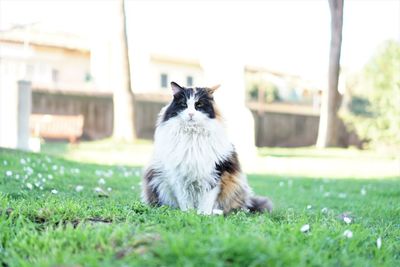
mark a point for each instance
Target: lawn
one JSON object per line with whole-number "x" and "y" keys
{"x": 58, "y": 212}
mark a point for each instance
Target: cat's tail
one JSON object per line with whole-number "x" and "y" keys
{"x": 259, "y": 204}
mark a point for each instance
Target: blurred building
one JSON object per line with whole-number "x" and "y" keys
{"x": 164, "y": 69}
{"x": 48, "y": 59}
{"x": 65, "y": 61}
{"x": 71, "y": 75}
{"x": 275, "y": 86}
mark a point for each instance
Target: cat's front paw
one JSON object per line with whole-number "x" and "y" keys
{"x": 217, "y": 212}
{"x": 210, "y": 212}
{"x": 204, "y": 212}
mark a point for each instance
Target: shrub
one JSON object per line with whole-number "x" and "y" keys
{"x": 373, "y": 110}
{"x": 271, "y": 93}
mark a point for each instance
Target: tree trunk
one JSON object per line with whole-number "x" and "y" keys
{"x": 124, "y": 126}
{"x": 328, "y": 132}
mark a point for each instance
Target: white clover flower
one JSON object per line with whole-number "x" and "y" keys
{"x": 379, "y": 243}
{"x": 39, "y": 175}
{"x": 8, "y": 173}
{"x": 363, "y": 191}
{"x": 50, "y": 176}
{"x": 78, "y": 188}
{"x": 305, "y": 228}
{"x": 29, "y": 170}
{"x": 29, "y": 185}
{"x": 101, "y": 181}
{"x": 23, "y": 161}
{"x": 133, "y": 187}
{"x": 98, "y": 190}
{"x": 281, "y": 183}
{"x": 17, "y": 176}
{"x": 348, "y": 234}
{"x": 41, "y": 188}
{"x": 54, "y": 191}
{"x": 54, "y": 167}
{"x": 324, "y": 210}
{"x": 109, "y": 189}
{"x": 309, "y": 207}
{"x": 347, "y": 219}
{"x": 342, "y": 195}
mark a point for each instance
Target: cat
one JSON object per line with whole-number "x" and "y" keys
{"x": 194, "y": 165}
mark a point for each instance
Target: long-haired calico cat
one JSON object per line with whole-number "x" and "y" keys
{"x": 194, "y": 166}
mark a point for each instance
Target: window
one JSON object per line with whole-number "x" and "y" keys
{"x": 88, "y": 77}
{"x": 189, "y": 81}
{"x": 29, "y": 72}
{"x": 164, "y": 80}
{"x": 54, "y": 75}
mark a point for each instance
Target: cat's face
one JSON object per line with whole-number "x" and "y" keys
{"x": 191, "y": 105}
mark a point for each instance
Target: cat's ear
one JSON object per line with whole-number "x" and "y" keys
{"x": 176, "y": 88}
{"x": 212, "y": 89}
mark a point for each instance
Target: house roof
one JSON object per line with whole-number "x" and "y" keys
{"x": 258, "y": 69}
{"x": 196, "y": 63}
{"x": 287, "y": 76}
{"x": 175, "y": 60}
{"x": 35, "y": 35}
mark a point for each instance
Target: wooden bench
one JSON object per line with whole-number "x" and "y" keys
{"x": 56, "y": 126}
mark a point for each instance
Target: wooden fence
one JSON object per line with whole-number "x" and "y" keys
{"x": 275, "y": 124}
{"x": 96, "y": 108}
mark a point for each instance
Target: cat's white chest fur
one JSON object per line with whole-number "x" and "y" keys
{"x": 186, "y": 155}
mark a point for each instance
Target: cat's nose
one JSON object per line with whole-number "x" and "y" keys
{"x": 191, "y": 115}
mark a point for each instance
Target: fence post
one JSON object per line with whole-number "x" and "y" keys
{"x": 23, "y": 113}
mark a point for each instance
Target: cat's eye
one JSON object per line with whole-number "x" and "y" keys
{"x": 183, "y": 104}
{"x": 199, "y": 104}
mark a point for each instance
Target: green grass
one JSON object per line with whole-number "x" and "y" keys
{"x": 330, "y": 153}
{"x": 304, "y": 162}
{"x": 70, "y": 228}
{"x": 106, "y": 151}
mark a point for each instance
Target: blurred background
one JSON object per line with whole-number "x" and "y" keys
{"x": 86, "y": 79}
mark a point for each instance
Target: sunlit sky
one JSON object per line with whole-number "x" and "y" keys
{"x": 289, "y": 36}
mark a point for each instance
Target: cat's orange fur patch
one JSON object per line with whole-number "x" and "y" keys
{"x": 232, "y": 195}
{"x": 218, "y": 115}
{"x": 150, "y": 195}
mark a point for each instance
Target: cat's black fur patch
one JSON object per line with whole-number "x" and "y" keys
{"x": 260, "y": 204}
{"x": 179, "y": 103}
{"x": 203, "y": 97}
{"x": 230, "y": 165}
{"x": 151, "y": 192}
